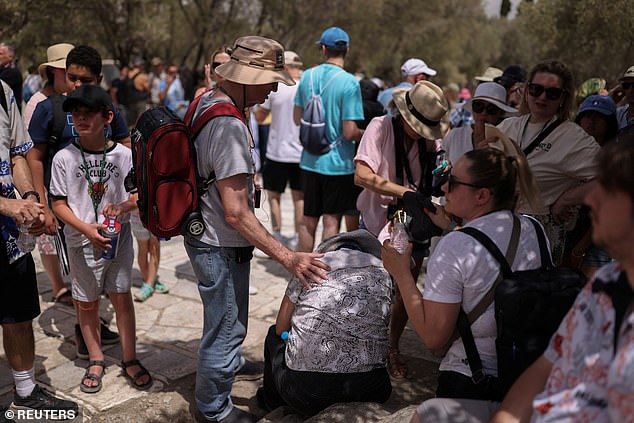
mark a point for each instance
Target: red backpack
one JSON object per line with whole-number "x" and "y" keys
{"x": 165, "y": 168}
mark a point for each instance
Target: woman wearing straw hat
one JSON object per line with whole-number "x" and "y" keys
{"x": 394, "y": 155}
{"x": 488, "y": 105}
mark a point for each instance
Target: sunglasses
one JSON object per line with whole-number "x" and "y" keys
{"x": 452, "y": 182}
{"x": 552, "y": 93}
{"x": 627, "y": 85}
{"x": 482, "y": 106}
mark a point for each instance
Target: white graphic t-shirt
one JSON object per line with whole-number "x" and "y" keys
{"x": 68, "y": 180}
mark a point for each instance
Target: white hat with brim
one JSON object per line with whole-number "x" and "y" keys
{"x": 422, "y": 106}
{"x": 491, "y": 92}
{"x": 489, "y": 74}
{"x": 255, "y": 61}
{"x": 56, "y": 57}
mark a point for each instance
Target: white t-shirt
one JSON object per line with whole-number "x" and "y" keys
{"x": 460, "y": 270}
{"x": 68, "y": 180}
{"x": 457, "y": 142}
{"x": 283, "y": 143}
{"x": 564, "y": 159}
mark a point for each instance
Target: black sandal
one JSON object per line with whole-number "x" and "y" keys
{"x": 92, "y": 376}
{"x": 134, "y": 379}
{"x": 64, "y": 297}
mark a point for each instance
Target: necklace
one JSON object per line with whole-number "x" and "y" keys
{"x": 95, "y": 194}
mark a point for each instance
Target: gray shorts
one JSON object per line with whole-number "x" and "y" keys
{"x": 438, "y": 410}
{"x": 139, "y": 231}
{"x": 90, "y": 278}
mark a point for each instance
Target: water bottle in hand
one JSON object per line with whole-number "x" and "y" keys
{"x": 26, "y": 241}
{"x": 399, "y": 238}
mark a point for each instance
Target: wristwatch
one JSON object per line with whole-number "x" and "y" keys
{"x": 29, "y": 193}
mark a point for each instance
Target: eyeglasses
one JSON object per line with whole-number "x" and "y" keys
{"x": 452, "y": 182}
{"x": 627, "y": 85}
{"x": 482, "y": 106}
{"x": 552, "y": 93}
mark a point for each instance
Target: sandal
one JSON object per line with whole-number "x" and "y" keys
{"x": 64, "y": 297}
{"x": 93, "y": 376}
{"x": 134, "y": 379}
{"x": 159, "y": 287}
{"x": 396, "y": 367}
{"x": 144, "y": 293}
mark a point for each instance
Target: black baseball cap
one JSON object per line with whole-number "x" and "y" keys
{"x": 90, "y": 96}
{"x": 511, "y": 75}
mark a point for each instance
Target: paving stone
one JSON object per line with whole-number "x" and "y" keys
{"x": 170, "y": 364}
{"x": 183, "y": 314}
{"x": 171, "y": 334}
{"x": 185, "y": 289}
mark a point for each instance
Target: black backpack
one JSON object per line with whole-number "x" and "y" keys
{"x": 529, "y": 307}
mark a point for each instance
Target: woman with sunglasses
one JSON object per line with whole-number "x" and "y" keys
{"x": 560, "y": 154}
{"x": 488, "y": 105}
{"x": 482, "y": 191}
{"x": 218, "y": 57}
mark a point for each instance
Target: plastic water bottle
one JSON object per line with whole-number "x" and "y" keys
{"x": 26, "y": 241}
{"x": 399, "y": 238}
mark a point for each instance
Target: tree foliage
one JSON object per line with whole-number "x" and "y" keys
{"x": 452, "y": 36}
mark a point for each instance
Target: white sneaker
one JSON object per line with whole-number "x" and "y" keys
{"x": 252, "y": 290}
{"x": 293, "y": 242}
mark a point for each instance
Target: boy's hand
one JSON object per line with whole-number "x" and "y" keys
{"x": 113, "y": 210}
{"x": 100, "y": 243}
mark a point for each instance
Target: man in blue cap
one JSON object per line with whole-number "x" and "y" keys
{"x": 328, "y": 179}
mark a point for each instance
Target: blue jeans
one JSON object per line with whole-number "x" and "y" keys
{"x": 223, "y": 284}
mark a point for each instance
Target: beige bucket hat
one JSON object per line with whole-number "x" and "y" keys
{"x": 255, "y": 61}
{"x": 56, "y": 57}
{"x": 489, "y": 74}
{"x": 422, "y": 106}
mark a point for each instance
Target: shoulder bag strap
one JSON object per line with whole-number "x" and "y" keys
{"x": 327, "y": 83}
{"x": 547, "y": 261}
{"x": 541, "y": 136}
{"x": 464, "y": 321}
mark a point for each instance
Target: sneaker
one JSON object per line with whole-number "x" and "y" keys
{"x": 159, "y": 287}
{"x": 6, "y": 415}
{"x": 249, "y": 368}
{"x": 80, "y": 346}
{"x": 252, "y": 290}
{"x": 235, "y": 416}
{"x": 293, "y": 242}
{"x": 108, "y": 337}
{"x": 41, "y": 399}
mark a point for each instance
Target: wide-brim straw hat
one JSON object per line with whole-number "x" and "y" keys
{"x": 489, "y": 74}
{"x": 491, "y": 92}
{"x": 56, "y": 57}
{"x": 422, "y": 106}
{"x": 255, "y": 61}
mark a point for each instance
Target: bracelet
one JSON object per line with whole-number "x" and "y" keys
{"x": 29, "y": 193}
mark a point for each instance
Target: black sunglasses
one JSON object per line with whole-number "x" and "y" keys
{"x": 552, "y": 93}
{"x": 214, "y": 65}
{"x": 627, "y": 85}
{"x": 482, "y": 106}
{"x": 452, "y": 182}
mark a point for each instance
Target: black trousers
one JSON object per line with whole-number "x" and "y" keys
{"x": 308, "y": 393}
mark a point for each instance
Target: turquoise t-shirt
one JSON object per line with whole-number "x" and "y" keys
{"x": 341, "y": 101}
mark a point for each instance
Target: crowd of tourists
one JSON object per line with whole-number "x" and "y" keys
{"x": 538, "y": 165}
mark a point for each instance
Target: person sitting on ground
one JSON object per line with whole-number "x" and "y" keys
{"x": 488, "y": 105}
{"x": 394, "y": 156}
{"x": 587, "y": 372}
{"x": 83, "y": 196}
{"x": 481, "y": 190}
{"x": 337, "y": 345}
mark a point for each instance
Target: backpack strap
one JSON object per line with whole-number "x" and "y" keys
{"x": 3, "y": 99}
{"x": 622, "y": 298}
{"x": 55, "y": 130}
{"x": 541, "y": 136}
{"x": 196, "y": 125}
{"x": 327, "y": 83}
{"x": 464, "y": 320}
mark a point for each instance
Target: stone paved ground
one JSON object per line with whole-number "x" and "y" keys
{"x": 168, "y": 332}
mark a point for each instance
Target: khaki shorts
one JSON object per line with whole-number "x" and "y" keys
{"x": 90, "y": 278}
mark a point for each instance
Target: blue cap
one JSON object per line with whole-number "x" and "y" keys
{"x": 598, "y": 103}
{"x": 335, "y": 38}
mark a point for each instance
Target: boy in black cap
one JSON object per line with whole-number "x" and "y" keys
{"x": 87, "y": 187}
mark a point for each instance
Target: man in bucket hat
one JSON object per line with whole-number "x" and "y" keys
{"x": 328, "y": 179}
{"x": 221, "y": 255}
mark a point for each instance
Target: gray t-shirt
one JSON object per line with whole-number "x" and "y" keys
{"x": 224, "y": 146}
{"x": 341, "y": 325}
